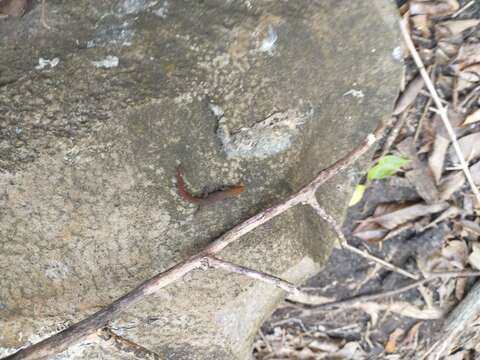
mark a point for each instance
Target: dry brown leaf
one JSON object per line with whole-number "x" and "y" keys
{"x": 469, "y": 145}
{"x": 444, "y": 52}
{"x": 474, "y": 257}
{"x": 450, "y": 213}
{"x": 393, "y": 340}
{"x": 409, "y": 310}
{"x": 460, "y": 355}
{"x": 475, "y": 170}
{"x": 454, "y": 27}
{"x": 470, "y": 226}
{"x": 351, "y": 351}
{"x": 372, "y": 232}
{"x": 392, "y": 220}
{"x": 473, "y": 117}
{"x": 451, "y": 185}
{"x": 422, "y": 23}
{"x": 470, "y": 74}
{"x": 468, "y": 54}
{"x": 373, "y": 235}
{"x": 12, "y": 7}
{"x": 326, "y": 345}
{"x": 436, "y": 160}
{"x": 460, "y": 286}
{"x": 434, "y": 8}
{"x": 422, "y": 179}
{"x": 456, "y": 252}
{"x": 432, "y": 262}
{"x": 456, "y": 119}
{"x": 398, "y": 230}
{"x": 411, "y": 339}
{"x": 407, "y": 97}
{"x": 445, "y": 292}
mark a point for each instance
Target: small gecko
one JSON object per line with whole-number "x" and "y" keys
{"x": 208, "y": 198}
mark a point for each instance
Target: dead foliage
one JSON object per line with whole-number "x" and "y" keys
{"x": 447, "y": 38}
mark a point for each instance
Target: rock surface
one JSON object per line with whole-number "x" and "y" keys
{"x": 96, "y": 114}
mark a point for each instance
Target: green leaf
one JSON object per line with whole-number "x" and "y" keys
{"x": 386, "y": 166}
{"x": 357, "y": 194}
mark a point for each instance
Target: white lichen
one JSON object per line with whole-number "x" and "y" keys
{"x": 42, "y": 63}
{"x": 398, "y": 53}
{"x": 355, "y": 93}
{"x": 266, "y": 138}
{"x": 107, "y": 63}
{"x": 268, "y": 44}
{"x": 162, "y": 11}
{"x": 216, "y": 110}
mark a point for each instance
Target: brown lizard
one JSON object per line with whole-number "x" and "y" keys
{"x": 208, "y": 198}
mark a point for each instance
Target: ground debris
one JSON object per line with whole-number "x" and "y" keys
{"x": 426, "y": 211}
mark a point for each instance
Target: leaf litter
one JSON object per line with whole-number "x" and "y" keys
{"x": 432, "y": 203}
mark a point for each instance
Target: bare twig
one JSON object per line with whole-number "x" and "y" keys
{"x": 394, "y": 132}
{"x": 119, "y": 343}
{"x": 370, "y": 297}
{"x": 441, "y": 110}
{"x": 343, "y": 242}
{"x": 422, "y": 119}
{"x": 81, "y": 330}
{"x": 294, "y": 293}
{"x": 463, "y": 9}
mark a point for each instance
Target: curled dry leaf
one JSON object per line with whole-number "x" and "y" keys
{"x": 451, "y": 184}
{"x": 444, "y": 52}
{"x": 325, "y": 345}
{"x": 12, "y": 7}
{"x": 434, "y": 8}
{"x": 408, "y": 96}
{"x": 432, "y": 262}
{"x": 409, "y": 310}
{"x": 469, "y": 145}
{"x": 436, "y": 160}
{"x": 475, "y": 170}
{"x": 471, "y": 227}
{"x": 474, "y": 257}
{"x": 394, "y": 340}
{"x": 351, "y": 351}
{"x": 460, "y": 285}
{"x": 445, "y": 292}
{"x": 470, "y": 74}
{"x": 422, "y": 23}
{"x": 369, "y": 231}
{"x": 450, "y": 213}
{"x": 473, "y": 117}
{"x": 392, "y": 220}
{"x": 423, "y": 181}
{"x": 456, "y": 252}
{"x": 411, "y": 339}
{"x": 454, "y": 27}
{"x": 468, "y": 54}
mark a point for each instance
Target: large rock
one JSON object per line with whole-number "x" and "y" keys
{"x": 264, "y": 93}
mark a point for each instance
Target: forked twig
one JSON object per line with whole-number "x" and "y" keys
{"x": 83, "y": 329}
{"x": 345, "y": 245}
{"x": 441, "y": 110}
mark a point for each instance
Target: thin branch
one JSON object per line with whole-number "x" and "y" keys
{"x": 81, "y": 330}
{"x": 294, "y": 293}
{"x": 399, "y": 123}
{"x": 441, "y": 110}
{"x": 345, "y": 245}
{"x": 124, "y": 345}
{"x": 365, "y": 298}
